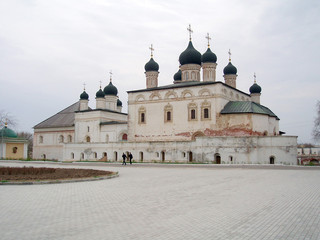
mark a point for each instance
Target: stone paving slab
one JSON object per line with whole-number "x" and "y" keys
{"x": 150, "y": 202}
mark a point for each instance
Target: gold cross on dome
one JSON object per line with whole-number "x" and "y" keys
{"x": 208, "y": 38}
{"x": 100, "y": 83}
{"x": 229, "y": 55}
{"x": 190, "y": 31}
{"x": 84, "y": 86}
{"x": 151, "y": 49}
{"x": 110, "y": 75}
{"x": 254, "y": 75}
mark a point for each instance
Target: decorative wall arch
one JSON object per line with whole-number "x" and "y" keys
{"x": 197, "y": 134}
{"x": 155, "y": 96}
{"x": 140, "y": 98}
{"x": 187, "y": 93}
{"x": 204, "y": 92}
{"x": 171, "y": 94}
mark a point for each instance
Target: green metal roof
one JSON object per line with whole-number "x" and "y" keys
{"x": 247, "y": 107}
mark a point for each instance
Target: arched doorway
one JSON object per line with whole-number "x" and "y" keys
{"x": 190, "y": 156}
{"x": 163, "y": 156}
{"x": 272, "y": 160}
{"x": 141, "y": 156}
{"x": 217, "y": 158}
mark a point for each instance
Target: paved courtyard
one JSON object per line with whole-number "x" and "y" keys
{"x": 166, "y": 202}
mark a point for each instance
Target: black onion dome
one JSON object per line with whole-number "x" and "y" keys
{"x": 151, "y": 66}
{"x": 177, "y": 76}
{"x": 190, "y": 56}
{"x": 230, "y": 69}
{"x": 84, "y": 96}
{"x": 255, "y": 88}
{"x": 209, "y": 56}
{"x": 119, "y": 103}
{"x": 110, "y": 90}
{"x": 100, "y": 94}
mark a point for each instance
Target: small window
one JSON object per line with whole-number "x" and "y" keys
{"x": 88, "y": 139}
{"x": 124, "y": 137}
{"x": 14, "y": 150}
{"x": 41, "y": 139}
{"x": 88, "y": 129}
{"x": 72, "y": 155}
{"x": 142, "y": 115}
{"x": 168, "y": 116}
{"x": 193, "y": 114}
{"x": 206, "y": 113}
{"x": 61, "y": 139}
{"x": 107, "y": 138}
{"x": 69, "y": 138}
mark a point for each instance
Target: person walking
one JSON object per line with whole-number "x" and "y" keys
{"x": 124, "y": 159}
{"x": 130, "y": 158}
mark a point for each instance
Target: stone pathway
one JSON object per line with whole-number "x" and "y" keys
{"x": 166, "y": 202}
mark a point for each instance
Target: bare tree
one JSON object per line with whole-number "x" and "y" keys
{"x": 6, "y": 117}
{"x": 28, "y": 136}
{"x": 316, "y": 128}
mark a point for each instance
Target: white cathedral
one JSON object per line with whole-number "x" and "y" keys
{"x": 193, "y": 120}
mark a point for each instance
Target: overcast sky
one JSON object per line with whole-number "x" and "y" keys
{"x": 48, "y": 49}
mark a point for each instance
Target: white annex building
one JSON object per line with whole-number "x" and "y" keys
{"x": 195, "y": 119}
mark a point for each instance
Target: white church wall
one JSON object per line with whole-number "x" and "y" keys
{"x": 48, "y": 142}
{"x": 232, "y": 150}
{"x": 87, "y": 124}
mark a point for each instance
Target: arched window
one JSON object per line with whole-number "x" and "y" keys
{"x": 187, "y": 75}
{"x": 115, "y": 154}
{"x": 141, "y": 156}
{"x": 124, "y": 137}
{"x": 107, "y": 138}
{"x": 82, "y": 156}
{"x": 40, "y": 139}
{"x": 95, "y": 155}
{"x": 88, "y": 139}
{"x": 61, "y": 139}
{"x": 44, "y": 156}
{"x": 69, "y": 138}
{"x": 72, "y": 155}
